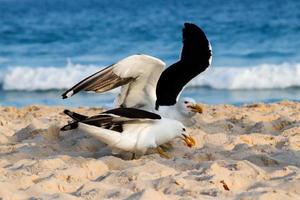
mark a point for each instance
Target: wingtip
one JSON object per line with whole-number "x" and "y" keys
{"x": 69, "y": 127}
{"x": 192, "y": 30}
{"x": 67, "y": 111}
{"x": 67, "y": 94}
{"x": 65, "y": 128}
{"x": 188, "y": 25}
{"x": 194, "y": 36}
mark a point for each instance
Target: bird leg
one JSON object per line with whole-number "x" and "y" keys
{"x": 133, "y": 156}
{"x": 162, "y": 153}
{"x": 166, "y": 146}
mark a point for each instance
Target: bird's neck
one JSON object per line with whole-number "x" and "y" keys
{"x": 175, "y": 112}
{"x": 170, "y": 112}
{"x": 163, "y": 135}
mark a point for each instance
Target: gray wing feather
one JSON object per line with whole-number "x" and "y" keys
{"x": 101, "y": 81}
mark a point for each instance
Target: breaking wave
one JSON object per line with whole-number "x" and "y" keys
{"x": 265, "y": 76}
{"x": 45, "y": 78}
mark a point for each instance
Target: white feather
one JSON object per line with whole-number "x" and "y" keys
{"x": 69, "y": 94}
{"x": 146, "y": 71}
{"x": 137, "y": 137}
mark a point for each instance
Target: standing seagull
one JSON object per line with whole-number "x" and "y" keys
{"x": 145, "y": 83}
{"x": 130, "y": 129}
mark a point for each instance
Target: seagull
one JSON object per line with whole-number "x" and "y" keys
{"x": 147, "y": 85}
{"x": 130, "y": 129}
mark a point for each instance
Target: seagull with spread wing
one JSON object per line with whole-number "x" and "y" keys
{"x": 147, "y": 85}
{"x": 130, "y": 129}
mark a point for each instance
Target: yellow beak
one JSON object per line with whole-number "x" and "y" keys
{"x": 196, "y": 108}
{"x": 190, "y": 142}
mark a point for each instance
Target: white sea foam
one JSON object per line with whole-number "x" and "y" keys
{"x": 45, "y": 78}
{"x": 256, "y": 77}
{"x": 265, "y": 76}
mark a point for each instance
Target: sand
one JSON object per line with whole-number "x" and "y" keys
{"x": 247, "y": 152}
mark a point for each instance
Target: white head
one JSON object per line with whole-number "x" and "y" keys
{"x": 188, "y": 107}
{"x": 170, "y": 129}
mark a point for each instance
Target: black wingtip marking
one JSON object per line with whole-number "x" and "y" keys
{"x": 190, "y": 25}
{"x": 133, "y": 113}
{"x": 196, "y": 47}
{"x": 193, "y": 28}
{"x": 99, "y": 82}
{"x": 75, "y": 116}
{"x": 69, "y": 113}
{"x": 70, "y": 126}
{"x": 68, "y": 93}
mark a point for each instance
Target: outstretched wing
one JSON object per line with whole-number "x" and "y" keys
{"x": 195, "y": 58}
{"x": 112, "y": 119}
{"x": 138, "y": 74}
{"x": 101, "y": 81}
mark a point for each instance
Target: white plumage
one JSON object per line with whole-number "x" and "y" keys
{"x": 140, "y": 91}
{"x": 137, "y": 130}
{"x": 137, "y": 138}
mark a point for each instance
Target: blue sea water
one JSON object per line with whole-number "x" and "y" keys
{"x": 48, "y": 45}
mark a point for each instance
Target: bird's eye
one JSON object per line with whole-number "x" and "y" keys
{"x": 186, "y": 102}
{"x": 183, "y": 129}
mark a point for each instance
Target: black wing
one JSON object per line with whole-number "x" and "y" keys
{"x": 133, "y": 113}
{"x": 104, "y": 121}
{"x": 111, "y": 119}
{"x": 195, "y": 58}
{"x": 75, "y": 116}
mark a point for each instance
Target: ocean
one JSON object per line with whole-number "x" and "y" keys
{"x": 46, "y": 46}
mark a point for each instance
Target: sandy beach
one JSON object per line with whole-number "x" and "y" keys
{"x": 247, "y": 152}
